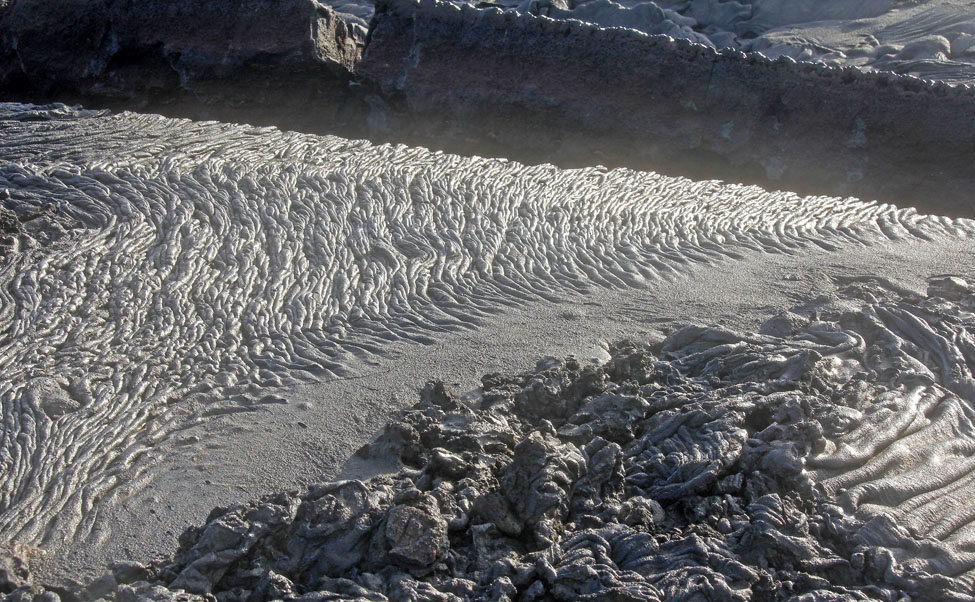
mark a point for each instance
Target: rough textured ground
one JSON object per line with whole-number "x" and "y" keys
{"x": 222, "y": 311}
{"x": 823, "y": 458}
{"x": 198, "y": 314}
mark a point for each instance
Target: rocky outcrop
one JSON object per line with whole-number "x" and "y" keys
{"x": 251, "y": 53}
{"x": 620, "y": 97}
{"x": 444, "y": 241}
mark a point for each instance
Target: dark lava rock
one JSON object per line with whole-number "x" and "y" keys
{"x": 127, "y": 571}
{"x": 101, "y": 587}
{"x": 414, "y": 535}
{"x": 14, "y": 567}
{"x": 249, "y": 52}
{"x": 538, "y": 483}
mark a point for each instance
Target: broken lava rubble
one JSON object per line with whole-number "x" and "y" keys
{"x": 667, "y": 473}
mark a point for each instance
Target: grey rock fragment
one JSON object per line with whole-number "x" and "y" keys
{"x": 130, "y": 571}
{"x": 494, "y": 508}
{"x": 226, "y": 540}
{"x": 14, "y": 566}
{"x": 332, "y": 528}
{"x": 146, "y": 592}
{"x": 414, "y": 535}
{"x": 639, "y": 512}
{"x": 540, "y": 479}
{"x": 101, "y": 587}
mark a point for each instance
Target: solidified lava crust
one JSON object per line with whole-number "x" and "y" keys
{"x": 715, "y": 466}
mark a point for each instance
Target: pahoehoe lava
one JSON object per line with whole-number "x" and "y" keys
{"x": 825, "y": 458}
{"x": 201, "y": 261}
{"x": 196, "y": 313}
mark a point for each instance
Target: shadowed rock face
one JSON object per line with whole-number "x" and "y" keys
{"x": 792, "y": 464}
{"x": 621, "y": 97}
{"x": 236, "y": 53}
